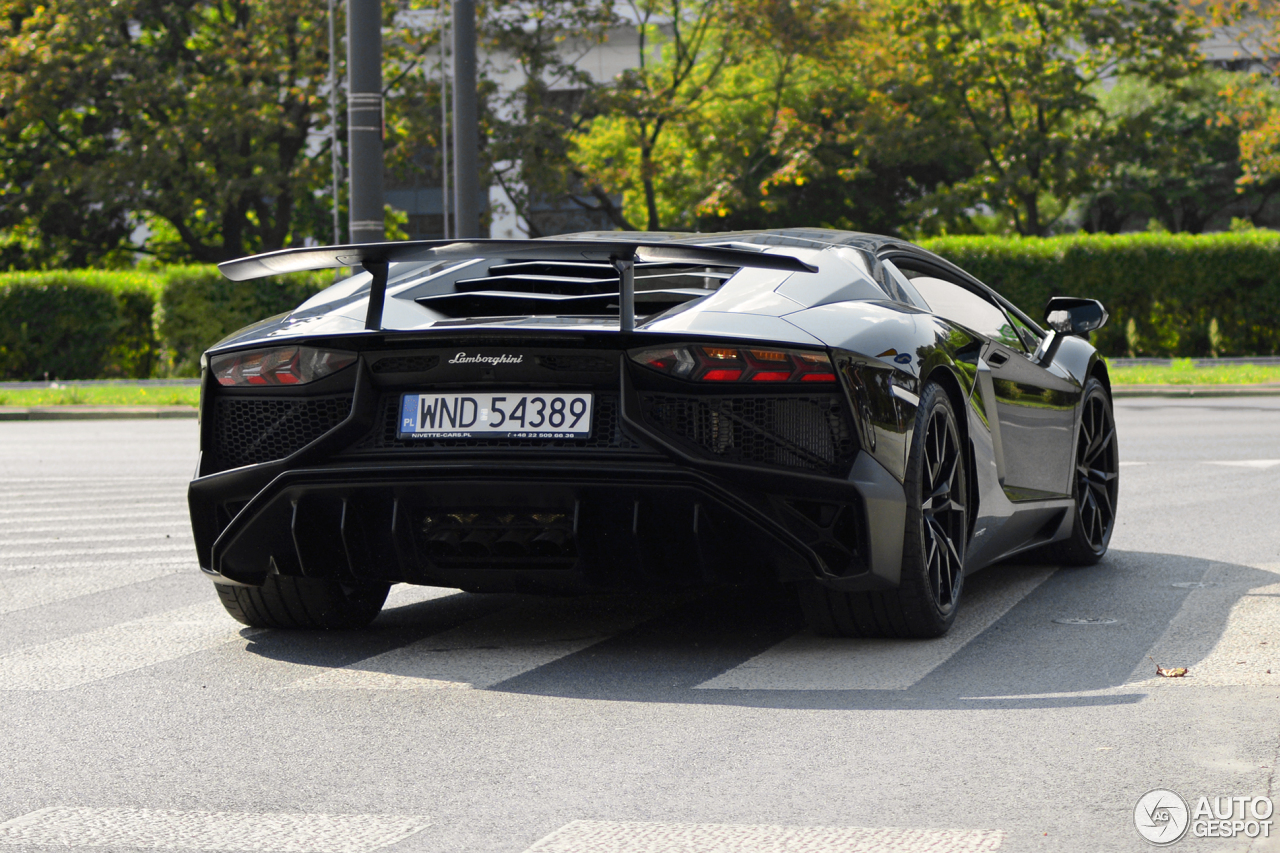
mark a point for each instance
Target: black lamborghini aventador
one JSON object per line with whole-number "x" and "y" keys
{"x": 845, "y": 413}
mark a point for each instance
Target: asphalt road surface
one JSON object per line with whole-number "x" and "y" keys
{"x": 135, "y": 715}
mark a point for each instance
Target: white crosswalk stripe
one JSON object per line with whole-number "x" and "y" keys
{"x": 1250, "y": 463}
{"x": 79, "y": 496}
{"x": 121, "y": 648}
{"x": 110, "y": 480}
{"x": 42, "y": 586}
{"x": 597, "y": 836}
{"x": 807, "y": 662}
{"x": 1227, "y": 634}
{"x": 176, "y": 548}
{"x": 129, "y": 537}
{"x": 176, "y": 523}
{"x": 175, "y": 516}
{"x": 491, "y": 649}
{"x": 203, "y": 830}
{"x": 100, "y": 566}
{"x": 24, "y": 510}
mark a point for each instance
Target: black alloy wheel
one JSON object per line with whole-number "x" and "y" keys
{"x": 933, "y": 549}
{"x": 1095, "y": 480}
{"x": 942, "y": 507}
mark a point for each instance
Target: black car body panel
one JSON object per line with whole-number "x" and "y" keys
{"x": 678, "y": 483}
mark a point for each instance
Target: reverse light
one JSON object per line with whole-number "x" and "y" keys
{"x": 733, "y": 364}
{"x": 278, "y": 365}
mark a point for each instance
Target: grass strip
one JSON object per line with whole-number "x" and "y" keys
{"x": 103, "y": 395}
{"x": 1183, "y": 372}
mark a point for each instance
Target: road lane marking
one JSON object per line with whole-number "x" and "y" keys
{"x": 42, "y": 587}
{"x": 104, "y": 567}
{"x": 1246, "y": 649}
{"x": 808, "y": 662}
{"x": 82, "y": 552}
{"x": 176, "y": 514}
{"x": 51, "y": 511}
{"x": 491, "y": 649}
{"x": 128, "y": 646}
{"x": 182, "y": 523}
{"x": 407, "y": 595}
{"x": 197, "y": 830}
{"x": 88, "y": 479}
{"x": 1249, "y": 463}
{"x": 80, "y": 495}
{"x": 129, "y": 537}
{"x": 597, "y": 836}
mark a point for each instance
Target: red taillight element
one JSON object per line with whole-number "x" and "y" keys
{"x": 731, "y": 364}
{"x": 278, "y": 366}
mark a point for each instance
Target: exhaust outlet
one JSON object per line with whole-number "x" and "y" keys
{"x": 513, "y": 543}
{"x": 550, "y": 542}
{"x": 478, "y": 543}
{"x": 445, "y": 543}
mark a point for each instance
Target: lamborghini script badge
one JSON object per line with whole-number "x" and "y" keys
{"x": 463, "y": 358}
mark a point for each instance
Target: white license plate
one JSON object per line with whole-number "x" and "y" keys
{"x": 495, "y": 415}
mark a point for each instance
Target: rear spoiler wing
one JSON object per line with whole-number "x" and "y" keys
{"x": 375, "y": 258}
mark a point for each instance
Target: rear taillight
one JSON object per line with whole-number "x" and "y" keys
{"x": 737, "y": 364}
{"x": 278, "y": 365}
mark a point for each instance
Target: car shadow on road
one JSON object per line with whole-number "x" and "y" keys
{"x": 749, "y": 647}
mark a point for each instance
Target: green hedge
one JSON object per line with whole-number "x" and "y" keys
{"x": 90, "y": 324}
{"x": 80, "y": 324}
{"x": 1169, "y": 295}
{"x": 198, "y": 308}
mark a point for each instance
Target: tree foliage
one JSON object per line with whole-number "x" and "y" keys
{"x": 1022, "y": 76}
{"x": 207, "y": 120}
{"x": 1172, "y": 154}
{"x": 195, "y": 113}
{"x": 540, "y": 45}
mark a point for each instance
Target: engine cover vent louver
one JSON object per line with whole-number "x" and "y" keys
{"x": 574, "y": 288}
{"x": 809, "y": 432}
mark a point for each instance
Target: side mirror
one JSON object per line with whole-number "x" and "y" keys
{"x": 1070, "y": 316}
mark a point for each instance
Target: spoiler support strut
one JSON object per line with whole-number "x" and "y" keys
{"x": 626, "y": 268}
{"x": 376, "y": 267}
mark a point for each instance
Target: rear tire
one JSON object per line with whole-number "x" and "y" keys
{"x": 303, "y": 603}
{"x": 924, "y": 604}
{"x": 1095, "y": 482}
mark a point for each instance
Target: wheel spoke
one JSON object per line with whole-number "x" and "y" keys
{"x": 949, "y": 563}
{"x": 931, "y": 561}
{"x": 1099, "y": 446}
{"x": 1100, "y": 493}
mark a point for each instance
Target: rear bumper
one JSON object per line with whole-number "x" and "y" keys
{"x": 598, "y": 524}
{"x": 520, "y": 519}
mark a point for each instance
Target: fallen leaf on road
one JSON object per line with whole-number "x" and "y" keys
{"x": 1170, "y": 672}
